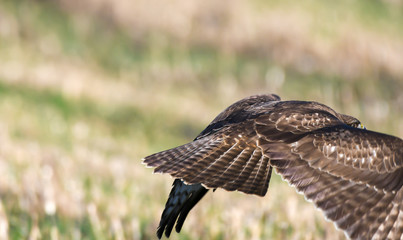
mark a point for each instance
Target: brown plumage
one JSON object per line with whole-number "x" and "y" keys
{"x": 353, "y": 175}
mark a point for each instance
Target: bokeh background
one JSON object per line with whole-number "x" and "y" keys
{"x": 89, "y": 87}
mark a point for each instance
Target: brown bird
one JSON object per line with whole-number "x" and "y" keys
{"x": 353, "y": 175}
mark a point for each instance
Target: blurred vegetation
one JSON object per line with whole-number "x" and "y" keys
{"x": 88, "y": 88}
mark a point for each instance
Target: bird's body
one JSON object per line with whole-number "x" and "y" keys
{"x": 353, "y": 175}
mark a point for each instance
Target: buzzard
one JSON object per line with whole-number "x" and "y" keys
{"x": 353, "y": 175}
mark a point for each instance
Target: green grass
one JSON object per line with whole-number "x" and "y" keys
{"x": 52, "y": 115}
{"x": 376, "y": 15}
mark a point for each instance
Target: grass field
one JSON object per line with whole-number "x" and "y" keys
{"x": 88, "y": 88}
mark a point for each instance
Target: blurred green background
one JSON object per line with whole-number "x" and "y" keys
{"x": 89, "y": 87}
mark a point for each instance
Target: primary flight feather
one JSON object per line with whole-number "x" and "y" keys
{"x": 353, "y": 175}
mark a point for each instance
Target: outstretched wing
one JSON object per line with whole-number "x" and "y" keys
{"x": 355, "y": 154}
{"x": 353, "y": 175}
{"x": 229, "y": 159}
{"x": 359, "y": 210}
{"x": 224, "y": 155}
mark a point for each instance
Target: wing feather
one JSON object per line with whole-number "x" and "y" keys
{"x": 242, "y": 182}
{"x": 197, "y": 164}
{"x": 176, "y": 159}
{"x": 385, "y": 228}
{"x": 335, "y": 151}
{"x": 359, "y": 148}
{"x": 339, "y": 172}
{"x": 229, "y": 159}
{"x": 257, "y": 181}
{"x": 397, "y": 229}
{"x": 356, "y": 208}
{"x": 378, "y": 203}
{"x": 233, "y": 172}
{"x": 215, "y": 167}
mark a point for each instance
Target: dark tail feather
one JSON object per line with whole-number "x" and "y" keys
{"x": 181, "y": 200}
{"x": 188, "y": 206}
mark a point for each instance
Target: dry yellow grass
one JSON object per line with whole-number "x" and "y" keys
{"x": 305, "y": 35}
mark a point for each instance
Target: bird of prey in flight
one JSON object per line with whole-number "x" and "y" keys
{"x": 353, "y": 175}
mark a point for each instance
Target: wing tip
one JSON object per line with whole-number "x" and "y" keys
{"x": 145, "y": 163}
